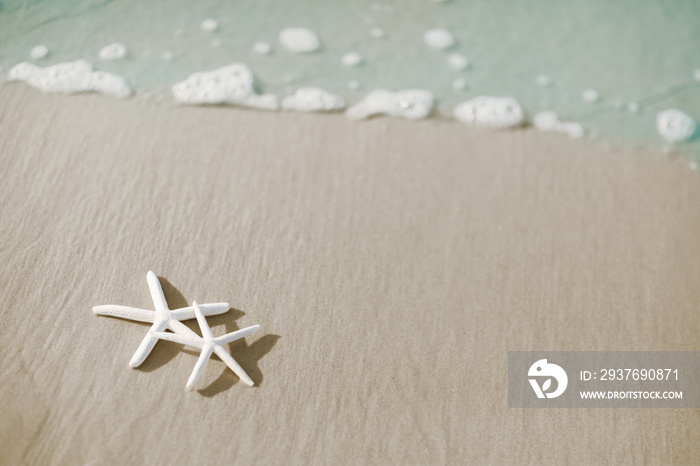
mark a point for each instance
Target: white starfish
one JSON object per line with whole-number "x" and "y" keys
{"x": 208, "y": 343}
{"x": 162, "y": 318}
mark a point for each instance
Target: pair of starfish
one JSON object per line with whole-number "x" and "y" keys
{"x": 164, "y": 318}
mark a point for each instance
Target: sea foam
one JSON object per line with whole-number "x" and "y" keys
{"x": 313, "y": 99}
{"x": 459, "y": 83}
{"x": 590, "y": 96}
{"x": 543, "y": 80}
{"x": 549, "y": 121}
{"x": 492, "y": 112}
{"x": 209, "y": 25}
{"x": 113, "y": 51}
{"x": 458, "y": 61}
{"x": 39, "y": 52}
{"x": 262, "y": 48}
{"x": 233, "y": 84}
{"x": 378, "y": 33}
{"x": 413, "y": 104}
{"x": 70, "y": 78}
{"x": 438, "y": 38}
{"x": 351, "y": 59}
{"x": 299, "y": 40}
{"x": 675, "y": 126}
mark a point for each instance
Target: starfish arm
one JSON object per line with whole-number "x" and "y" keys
{"x": 182, "y": 329}
{"x": 203, "y": 325}
{"x": 174, "y": 337}
{"x": 199, "y": 367}
{"x": 147, "y": 345}
{"x": 235, "y": 367}
{"x": 210, "y": 309}
{"x": 156, "y": 292}
{"x": 237, "y": 335}
{"x": 125, "y": 312}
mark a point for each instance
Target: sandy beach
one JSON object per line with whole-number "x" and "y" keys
{"x": 391, "y": 265}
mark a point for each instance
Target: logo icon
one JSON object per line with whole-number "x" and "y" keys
{"x": 542, "y": 369}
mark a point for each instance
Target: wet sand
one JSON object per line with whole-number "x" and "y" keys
{"x": 391, "y": 265}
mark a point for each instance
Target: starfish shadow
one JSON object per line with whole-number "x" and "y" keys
{"x": 247, "y": 355}
{"x": 164, "y": 353}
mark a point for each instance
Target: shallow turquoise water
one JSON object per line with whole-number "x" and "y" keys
{"x": 639, "y": 51}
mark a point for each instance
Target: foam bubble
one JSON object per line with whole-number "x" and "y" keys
{"x": 231, "y": 84}
{"x": 543, "y": 81}
{"x": 413, "y": 104}
{"x": 70, "y": 78}
{"x": 696, "y": 74}
{"x": 313, "y": 99}
{"x": 549, "y": 121}
{"x": 216, "y": 43}
{"x": 378, "y": 33}
{"x": 353, "y": 84}
{"x": 458, "y": 61}
{"x": 39, "y": 52}
{"x": 492, "y": 112}
{"x": 113, "y": 51}
{"x": 675, "y": 126}
{"x": 590, "y": 96}
{"x": 351, "y": 59}
{"x": 459, "y": 84}
{"x": 633, "y": 107}
{"x": 438, "y": 38}
{"x": 299, "y": 40}
{"x": 167, "y": 56}
{"x": 262, "y": 48}
{"x": 209, "y": 25}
